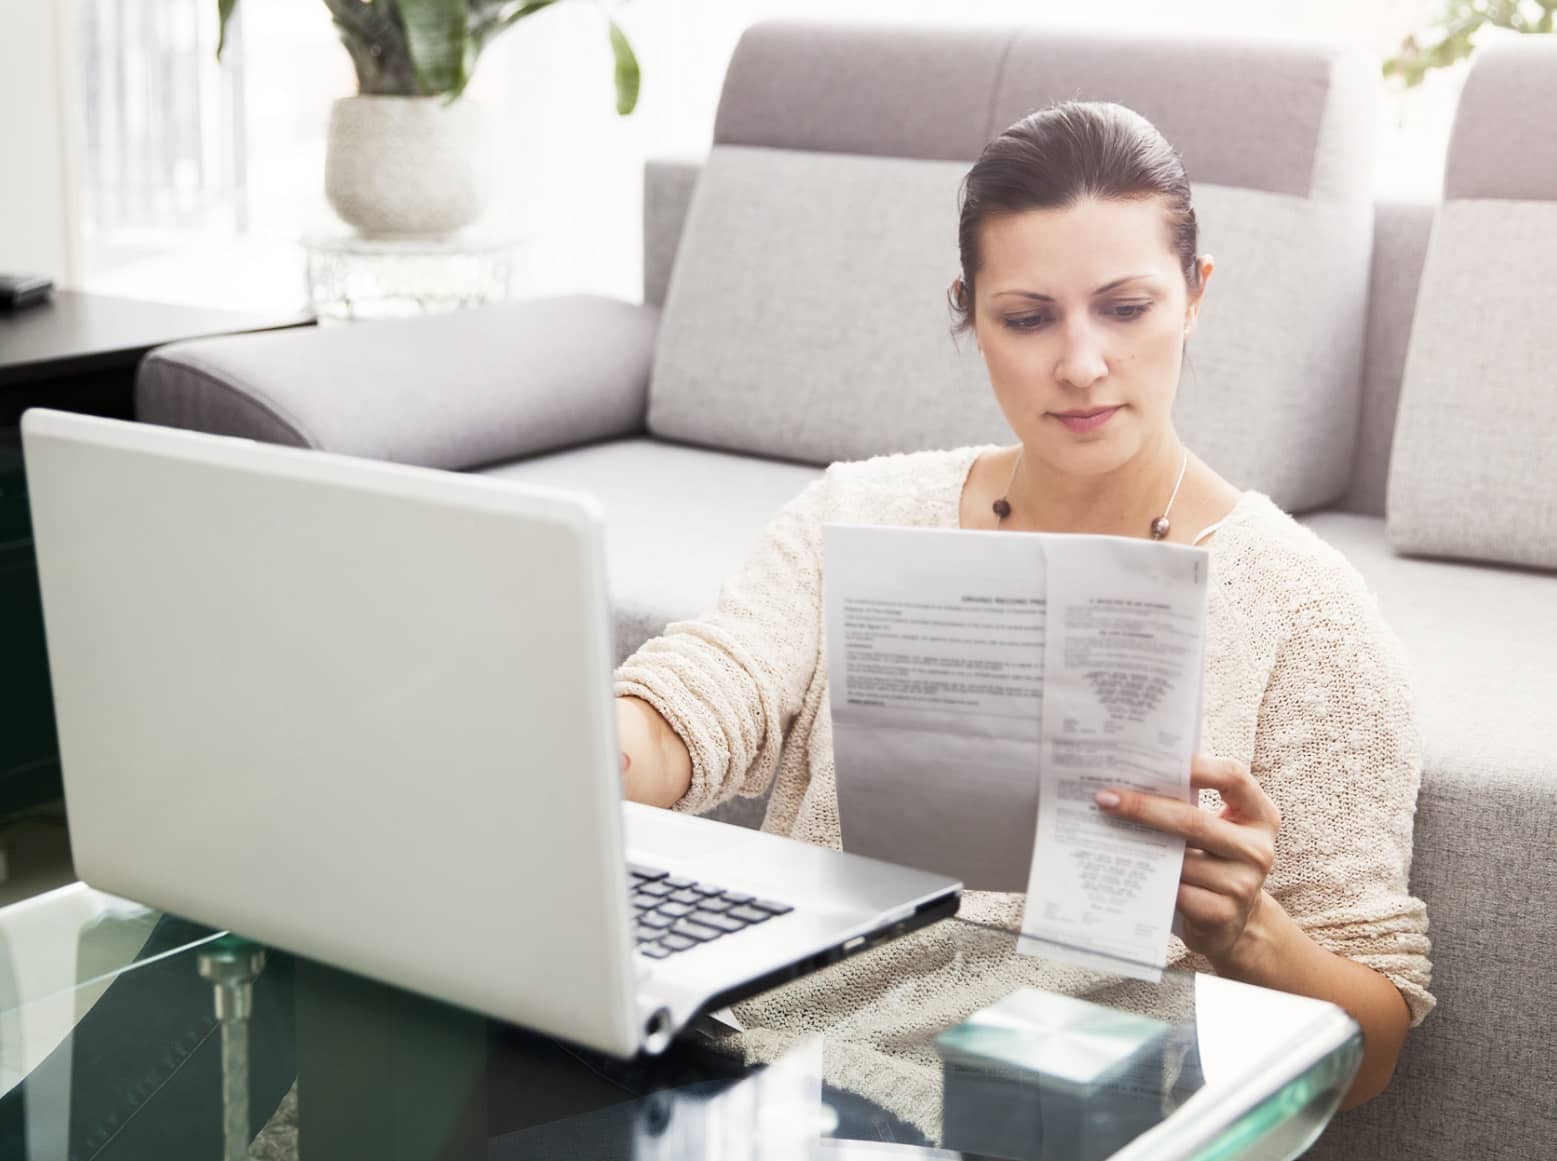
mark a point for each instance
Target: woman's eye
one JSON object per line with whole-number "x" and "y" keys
{"x": 1027, "y": 322}
{"x": 1129, "y": 310}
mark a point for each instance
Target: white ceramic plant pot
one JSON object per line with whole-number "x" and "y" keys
{"x": 407, "y": 166}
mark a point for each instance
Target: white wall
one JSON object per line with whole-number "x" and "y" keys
{"x": 38, "y": 192}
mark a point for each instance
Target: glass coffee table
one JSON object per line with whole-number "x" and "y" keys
{"x": 125, "y": 1033}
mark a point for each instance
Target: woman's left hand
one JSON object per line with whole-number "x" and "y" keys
{"x": 1227, "y": 855}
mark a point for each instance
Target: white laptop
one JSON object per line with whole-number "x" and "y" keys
{"x": 362, "y": 712}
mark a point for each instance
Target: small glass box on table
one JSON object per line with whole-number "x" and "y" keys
{"x": 351, "y": 276}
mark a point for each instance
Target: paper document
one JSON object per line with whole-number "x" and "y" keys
{"x": 1122, "y": 693}
{"x": 935, "y": 675}
{"x": 985, "y": 685}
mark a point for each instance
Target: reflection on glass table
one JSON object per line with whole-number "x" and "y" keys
{"x": 127, "y": 1034}
{"x": 60, "y": 955}
{"x": 1192, "y": 1067}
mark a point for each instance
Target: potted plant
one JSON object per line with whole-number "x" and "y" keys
{"x": 407, "y": 156}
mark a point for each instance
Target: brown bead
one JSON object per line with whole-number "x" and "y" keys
{"x": 1002, "y": 507}
{"x": 1160, "y": 527}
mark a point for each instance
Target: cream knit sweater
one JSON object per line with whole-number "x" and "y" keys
{"x": 1303, "y": 682}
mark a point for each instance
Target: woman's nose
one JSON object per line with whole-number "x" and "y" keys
{"x": 1081, "y": 362}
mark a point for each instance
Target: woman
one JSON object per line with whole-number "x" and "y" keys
{"x": 1081, "y": 284}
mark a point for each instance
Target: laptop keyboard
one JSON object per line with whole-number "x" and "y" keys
{"x": 672, "y": 914}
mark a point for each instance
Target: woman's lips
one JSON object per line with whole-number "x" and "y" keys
{"x": 1087, "y": 422}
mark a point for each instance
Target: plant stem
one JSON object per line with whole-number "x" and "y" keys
{"x": 373, "y": 34}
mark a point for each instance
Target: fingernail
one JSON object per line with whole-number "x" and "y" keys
{"x": 626, "y": 761}
{"x": 1107, "y": 799}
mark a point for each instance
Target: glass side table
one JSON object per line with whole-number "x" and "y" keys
{"x": 127, "y": 1034}
{"x": 352, "y": 277}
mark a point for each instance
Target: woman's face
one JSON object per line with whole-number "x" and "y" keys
{"x": 1081, "y": 314}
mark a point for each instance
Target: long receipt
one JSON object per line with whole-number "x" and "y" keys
{"x": 984, "y": 686}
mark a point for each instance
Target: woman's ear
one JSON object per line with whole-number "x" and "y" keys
{"x": 958, "y": 294}
{"x": 1204, "y": 265}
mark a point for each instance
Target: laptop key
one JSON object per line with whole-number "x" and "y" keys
{"x": 696, "y": 931}
{"x": 654, "y": 951}
{"x": 673, "y": 913}
{"x": 722, "y": 922}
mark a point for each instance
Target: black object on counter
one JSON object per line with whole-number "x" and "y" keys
{"x": 23, "y": 290}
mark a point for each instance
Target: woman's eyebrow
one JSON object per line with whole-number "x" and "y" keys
{"x": 1118, "y": 282}
{"x": 1104, "y": 289}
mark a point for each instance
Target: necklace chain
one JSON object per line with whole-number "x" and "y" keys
{"x": 1158, "y": 528}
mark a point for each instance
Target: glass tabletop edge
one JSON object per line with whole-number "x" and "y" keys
{"x": 1193, "y": 1132}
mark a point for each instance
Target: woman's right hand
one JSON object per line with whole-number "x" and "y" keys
{"x": 655, "y": 765}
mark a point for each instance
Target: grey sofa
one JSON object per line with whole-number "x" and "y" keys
{"x": 1385, "y": 371}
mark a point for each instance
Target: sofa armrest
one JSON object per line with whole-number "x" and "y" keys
{"x": 452, "y": 391}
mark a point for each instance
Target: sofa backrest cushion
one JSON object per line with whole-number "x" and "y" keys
{"x": 806, "y": 316}
{"x": 1240, "y": 114}
{"x": 1401, "y": 231}
{"x": 1503, "y": 146}
{"x": 1474, "y": 470}
{"x": 668, "y": 185}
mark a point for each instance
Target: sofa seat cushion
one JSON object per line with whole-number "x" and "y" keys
{"x": 1482, "y": 646}
{"x": 678, "y": 521}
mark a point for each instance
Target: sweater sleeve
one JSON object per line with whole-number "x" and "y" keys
{"x": 730, "y": 682}
{"x": 1337, "y": 748}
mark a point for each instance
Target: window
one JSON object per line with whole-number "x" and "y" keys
{"x": 165, "y": 153}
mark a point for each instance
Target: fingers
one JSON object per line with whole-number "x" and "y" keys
{"x": 1236, "y": 879}
{"x": 1199, "y": 828}
{"x": 1232, "y": 780}
{"x": 1206, "y": 910}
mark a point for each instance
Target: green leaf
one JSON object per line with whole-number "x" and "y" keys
{"x": 1457, "y": 27}
{"x": 224, "y": 10}
{"x": 627, "y": 73}
{"x": 436, "y": 35}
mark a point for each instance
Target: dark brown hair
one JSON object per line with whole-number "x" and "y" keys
{"x": 1056, "y": 157}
